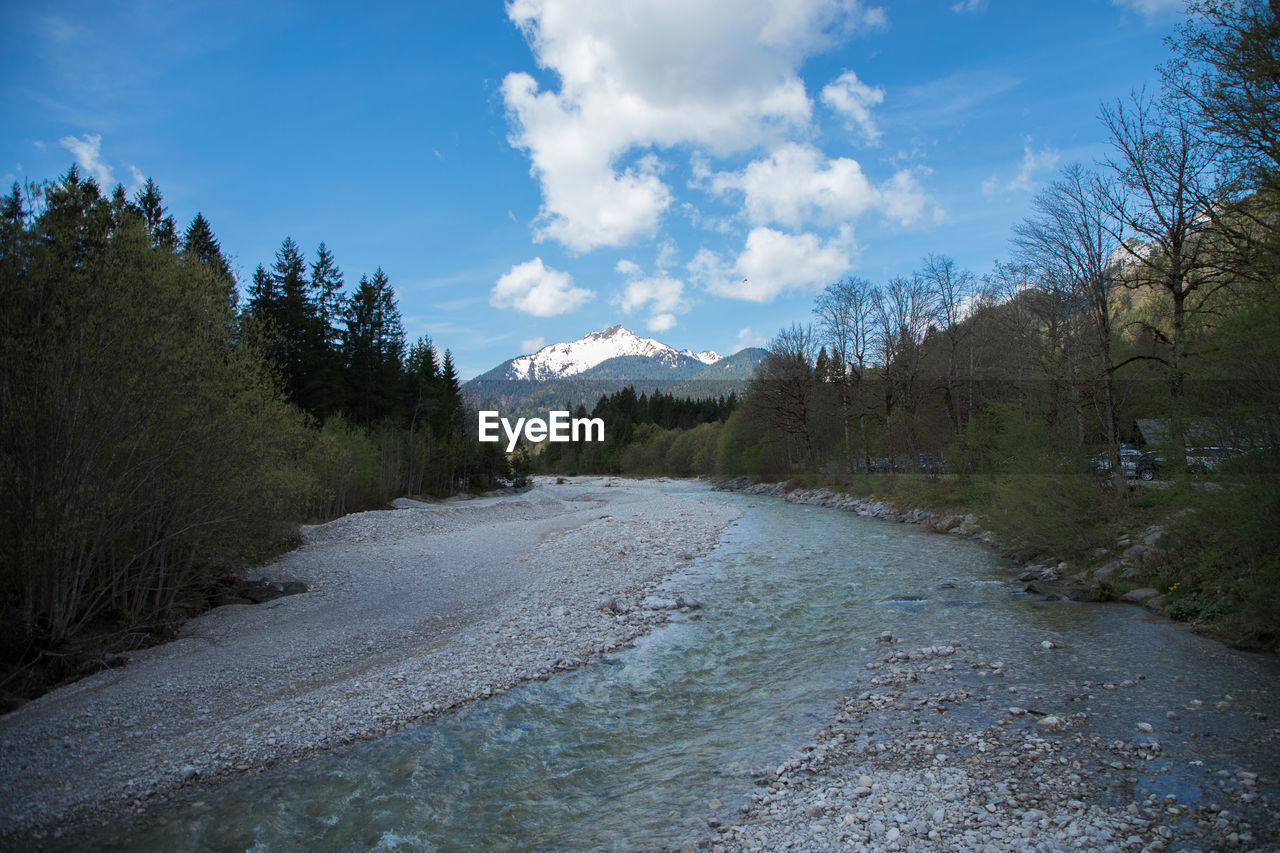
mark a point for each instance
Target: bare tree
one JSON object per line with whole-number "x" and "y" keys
{"x": 783, "y": 389}
{"x": 845, "y": 313}
{"x": 949, "y": 288}
{"x": 1227, "y": 69}
{"x": 902, "y": 317}
{"x": 1069, "y": 242}
{"x": 1165, "y": 174}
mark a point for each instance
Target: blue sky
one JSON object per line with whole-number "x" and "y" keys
{"x": 532, "y": 171}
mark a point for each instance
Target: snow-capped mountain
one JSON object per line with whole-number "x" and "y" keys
{"x": 571, "y": 358}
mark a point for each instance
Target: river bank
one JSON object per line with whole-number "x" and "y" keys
{"x": 409, "y": 613}
{"x": 976, "y": 745}
{"x": 1116, "y": 573}
{"x": 938, "y": 748}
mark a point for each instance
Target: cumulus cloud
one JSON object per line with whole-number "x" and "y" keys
{"x": 797, "y": 185}
{"x": 967, "y": 6}
{"x": 136, "y": 178}
{"x": 539, "y": 290}
{"x": 1033, "y": 164}
{"x": 853, "y": 99}
{"x": 749, "y": 337}
{"x": 661, "y": 322}
{"x": 88, "y": 153}
{"x": 655, "y": 74}
{"x": 773, "y": 262}
{"x": 530, "y": 345}
{"x": 660, "y": 294}
{"x": 1154, "y": 8}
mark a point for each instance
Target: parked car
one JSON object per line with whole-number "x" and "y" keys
{"x": 1134, "y": 463}
{"x": 931, "y": 464}
{"x": 882, "y": 464}
{"x": 1202, "y": 459}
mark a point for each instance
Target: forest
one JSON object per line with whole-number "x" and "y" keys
{"x": 1139, "y": 307}
{"x": 157, "y": 436}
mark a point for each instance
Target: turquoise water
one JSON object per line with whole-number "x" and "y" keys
{"x": 629, "y": 753}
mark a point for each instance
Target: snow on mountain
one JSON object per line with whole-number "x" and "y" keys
{"x": 557, "y": 361}
{"x": 706, "y": 356}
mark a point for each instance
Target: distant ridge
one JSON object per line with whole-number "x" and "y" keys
{"x": 572, "y": 358}
{"x": 597, "y": 364}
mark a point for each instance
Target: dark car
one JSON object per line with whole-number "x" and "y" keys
{"x": 931, "y": 464}
{"x": 1134, "y": 463}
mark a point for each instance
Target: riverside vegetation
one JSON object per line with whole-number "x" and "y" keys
{"x": 157, "y": 436}
{"x": 1141, "y": 305}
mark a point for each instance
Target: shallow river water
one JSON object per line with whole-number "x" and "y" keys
{"x": 630, "y": 752}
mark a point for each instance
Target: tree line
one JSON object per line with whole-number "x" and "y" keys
{"x": 1140, "y": 305}
{"x": 156, "y": 434}
{"x": 644, "y": 434}
{"x": 1128, "y": 287}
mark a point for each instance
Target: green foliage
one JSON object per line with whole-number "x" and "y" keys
{"x": 658, "y": 434}
{"x": 1225, "y": 560}
{"x": 149, "y": 440}
{"x": 142, "y": 451}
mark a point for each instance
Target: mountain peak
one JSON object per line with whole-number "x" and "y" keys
{"x": 569, "y": 358}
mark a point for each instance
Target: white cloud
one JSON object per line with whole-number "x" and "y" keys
{"x": 1154, "y": 8}
{"x": 1033, "y": 163}
{"x": 772, "y": 263}
{"x": 655, "y": 74}
{"x": 88, "y": 153}
{"x": 536, "y": 289}
{"x": 137, "y": 179}
{"x": 749, "y": 337}
{"x": 531, "y": 345}
{"x": 796, "y": 185}
{"x": 660, "y": 294}
{"x": 967, "y": 6}
{"x": 661, "y": 322}
{"x": 853, "y": 99}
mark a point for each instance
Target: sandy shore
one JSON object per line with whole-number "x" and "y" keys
{"x": 409, "y": 612}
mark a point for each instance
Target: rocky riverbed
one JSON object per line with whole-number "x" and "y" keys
{"x": 934, "y": 751}
{"x": 409, "y": 612}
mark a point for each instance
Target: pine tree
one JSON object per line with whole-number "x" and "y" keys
{"x": 160, "y": 225}
{"x": 264, "y": 299}
{"x": 373, "y": 349}
{"x": 199, "y": 243}
{"x": 296, "y": 321}
{"x": 326, "y": 289}
{"x": 324, "y": 375}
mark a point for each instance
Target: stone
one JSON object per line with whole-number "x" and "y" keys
{"x": 1137, "y": 596}
{"x": 1051, "y": 722}
{"x": 1105, "y": 574}
{"x": 1146, "y": 728}
{"x": 1136, "y": 552}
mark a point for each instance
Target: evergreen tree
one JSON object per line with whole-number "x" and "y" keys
{"x": 295, "y": 321}
{"x": 199, "y": 243}
{"x": 160, "y": 225}
{"x": 264, "y": 299}
{"x": 373, "y": 348}
{"x": 324, "y": 379}
{"x": 326, "y": 288}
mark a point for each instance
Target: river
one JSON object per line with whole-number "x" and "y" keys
{"x": 638, "y": 750}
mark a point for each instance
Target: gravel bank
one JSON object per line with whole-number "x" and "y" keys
{"x": 932, "y": 753}
{"x": 409, "y": 612}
